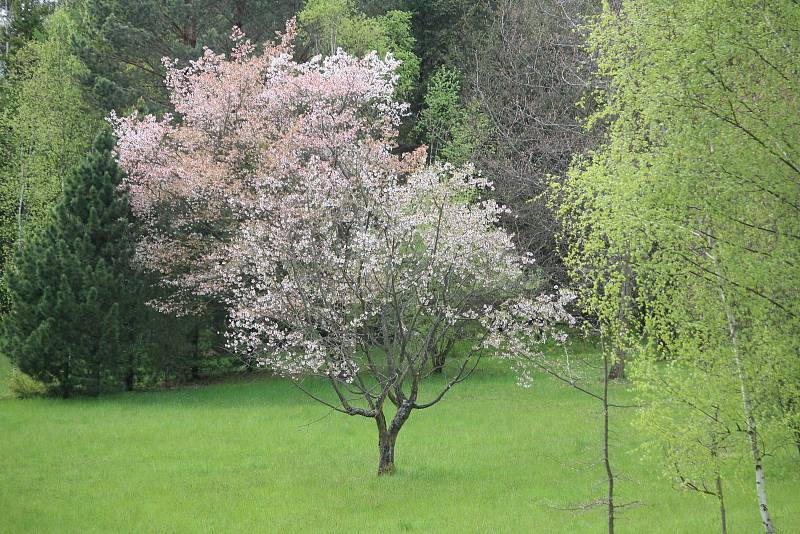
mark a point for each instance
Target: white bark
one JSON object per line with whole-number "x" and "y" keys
{"x": 21, "y": 199}
{"x": 761, "y": 489}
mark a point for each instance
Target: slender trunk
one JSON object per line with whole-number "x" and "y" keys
{"x": 195, "y": 369}
{"x": 721, "y": 498}
{"x": 8, "y": 35}
{"x": 130, "y": 376}
{"x": 715, "y": 457}
{"x": 752, "y": 434}
{"x": 624, "y": 311}
{"x": 606, "y": 460}
{"x": 238, "y": 16}
{"x": 189, "y": 33}
{"x": 97, "y": 380}
{"x": 439, "y": 359}
{"x": 65, "y": 381}
{"x": 21, "y": 202}
{"x": 440, "y": 355}
{"x": 761, "y": 488}
{"x": 19, "y": 214}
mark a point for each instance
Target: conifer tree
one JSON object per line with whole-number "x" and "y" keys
{"x": 72, "y": 289}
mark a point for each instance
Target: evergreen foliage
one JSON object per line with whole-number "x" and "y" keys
{"x": 122, "y": 42}
{"x": 72, "y": 291}
{"x": 448, "y": 32}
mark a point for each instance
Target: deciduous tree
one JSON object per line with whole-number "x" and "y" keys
{"x": 47, "y": 124}
{"x": 327, "y": 25}
{"x": 526, "y": 75}
{"x": 278, "y": 193}
{"x": 696, "y": 187}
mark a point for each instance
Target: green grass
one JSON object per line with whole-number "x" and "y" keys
{"x": 260, "y": 456}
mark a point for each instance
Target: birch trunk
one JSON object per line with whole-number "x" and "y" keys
{"x": 21, "y": 202}
{"x": 752, "y": 434}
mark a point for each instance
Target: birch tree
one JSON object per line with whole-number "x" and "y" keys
{"x": 697, "y": 185}
{"x": 47, "y": 124}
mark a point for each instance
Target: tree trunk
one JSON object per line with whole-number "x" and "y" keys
{"x": 19, "y": 214}
{"x": 238, "y": 16}
{"x": 387, "y": 437}
{"x": 618, "y": 369}
{"x": 606, "y": 459}
{"x": 189, "y": 32}
{"x": 386, "y": 444}
{"x": 97, "y": 380}
{"x": 722, "y": 518}
{"x": 195, "y": 370}
{"x": 130, "y": 378}
{"x": 761, "y": 489}
{"x": 66, "y": 390}
{"x": 624, "y": 311}
{"x": 752, "y": 434}
{"x": 439, "y": 360}
{"x": 720, "y": 496}
{"x": 440, "y": 354}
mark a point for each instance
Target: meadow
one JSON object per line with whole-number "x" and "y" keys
{"x": 256, "y": 454}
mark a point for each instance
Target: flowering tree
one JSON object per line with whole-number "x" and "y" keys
{"x": 277, "y": 193}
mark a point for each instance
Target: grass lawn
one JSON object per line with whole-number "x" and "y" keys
{"x": 259, "y": 456}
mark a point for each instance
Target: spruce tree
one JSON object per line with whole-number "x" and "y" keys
{"x": 72, "y": 288}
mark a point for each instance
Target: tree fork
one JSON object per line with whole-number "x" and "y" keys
{"x": 387, "y": 437}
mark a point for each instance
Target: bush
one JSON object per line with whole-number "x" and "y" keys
{"x": 23, "y": 386}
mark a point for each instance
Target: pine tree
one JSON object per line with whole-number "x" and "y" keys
{"x": 72, "y": 288}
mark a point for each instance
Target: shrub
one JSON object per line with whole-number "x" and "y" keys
{"x": 23, "y": 386}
